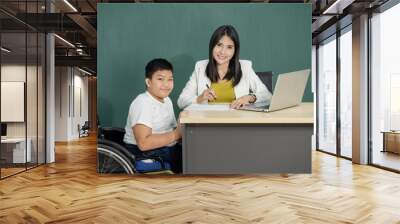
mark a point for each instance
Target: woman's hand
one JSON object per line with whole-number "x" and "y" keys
{"x": 242, "y": 101}
{"x": 207, "y": 95}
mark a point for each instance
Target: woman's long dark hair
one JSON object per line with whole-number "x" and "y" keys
{"x": 234, "y": 70}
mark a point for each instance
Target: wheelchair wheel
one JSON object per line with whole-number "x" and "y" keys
{"x": 110, "y": 160}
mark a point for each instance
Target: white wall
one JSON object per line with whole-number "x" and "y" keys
{"x": 33, "y": 126}
{"x": 70, "y": 83}
{"x": 80, "y": 105}
{"x": 61, "y": 103}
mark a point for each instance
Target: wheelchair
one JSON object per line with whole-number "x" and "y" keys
{"x": 113, "y": 157}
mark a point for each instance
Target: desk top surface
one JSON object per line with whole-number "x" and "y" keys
{"x": 391, "y": 132}
{"x": 302, "y": 114}
{"x": 13, "y": 140}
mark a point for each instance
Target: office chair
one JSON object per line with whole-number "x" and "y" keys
{"x": 84, "y": 130}
{"x": 266, "y": 78}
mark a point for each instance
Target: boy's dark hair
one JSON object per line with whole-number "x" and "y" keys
{"x": 157, "y": 64}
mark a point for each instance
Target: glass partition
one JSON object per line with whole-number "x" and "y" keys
{"x": 31, "y": 100}
{"x": 13, "y": 109}
{"x": 22, "y": 88}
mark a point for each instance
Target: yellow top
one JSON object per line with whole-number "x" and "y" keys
{"x": 224, "y": 91}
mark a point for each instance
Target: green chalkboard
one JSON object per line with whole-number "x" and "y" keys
{"x": 275, "y": 37}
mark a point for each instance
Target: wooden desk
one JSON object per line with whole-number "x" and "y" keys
{"x": 241, "y": 142}
{"x": 391, "y": 141}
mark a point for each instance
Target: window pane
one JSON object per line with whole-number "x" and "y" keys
{"x": 386, "y": 89}
{"x": 346, "y": 94}
{"x": 327, "y": 96}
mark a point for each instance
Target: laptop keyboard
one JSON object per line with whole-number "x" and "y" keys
{"x": 255, "y": 108}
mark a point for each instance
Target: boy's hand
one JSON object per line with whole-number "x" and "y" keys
{"x": 178, "y": 132}
{"x": 178, "y": 129}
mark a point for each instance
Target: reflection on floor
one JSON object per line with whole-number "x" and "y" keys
{"x": 386, "y": 159}
{"x": 11, "y": 169}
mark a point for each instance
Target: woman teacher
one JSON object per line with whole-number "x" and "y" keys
{"x": 223, "y": 78}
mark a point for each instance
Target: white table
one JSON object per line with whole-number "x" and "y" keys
{"x": 18, "y": 149}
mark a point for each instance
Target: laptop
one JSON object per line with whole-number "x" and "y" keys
{"x": 288, "y": 92}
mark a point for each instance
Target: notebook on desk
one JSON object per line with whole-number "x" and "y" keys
{"x": 288, "y": 92}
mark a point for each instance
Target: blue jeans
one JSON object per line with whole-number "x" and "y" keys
{"x": 170, "y": 154}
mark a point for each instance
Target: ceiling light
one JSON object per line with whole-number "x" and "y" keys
{"x": 5, "y": 50}
{"x": 329, "y": 9}
{"x": 84, "y": 71}
{"x": 79, "y": 51}
{"x": 65, "y": 41}
{"x": 337, "y": 7}
{"x": 70, "y": 5}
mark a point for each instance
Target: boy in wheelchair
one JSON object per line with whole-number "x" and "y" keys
{"x": 151, "y": 128}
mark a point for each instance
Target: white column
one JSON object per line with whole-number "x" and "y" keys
{"x": 50, "y": 92}
{"x": 360, "y": 90}
{"x": 50, "y": 100}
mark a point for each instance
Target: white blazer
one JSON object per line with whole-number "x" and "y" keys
{"x": 198, "y": 83}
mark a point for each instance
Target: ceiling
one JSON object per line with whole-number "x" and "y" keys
{"x": 76, "y": 22}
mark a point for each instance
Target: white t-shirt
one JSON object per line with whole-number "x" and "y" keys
{"x": 146, "y": 110}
